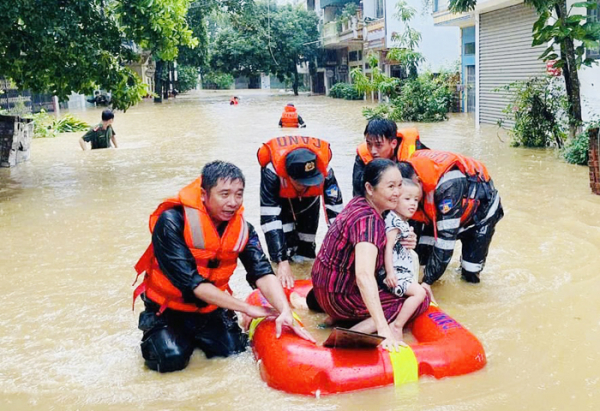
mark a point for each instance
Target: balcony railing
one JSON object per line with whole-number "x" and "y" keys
{"x": 352, "y": 31}
{"x": 330, "y": 33}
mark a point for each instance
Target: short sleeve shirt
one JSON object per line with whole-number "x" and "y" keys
{"x": 99, "y": 137}
{"x": 334, "y": 267}
{"x": 402, "y": 259}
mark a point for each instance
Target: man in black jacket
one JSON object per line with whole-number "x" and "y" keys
{"x": 294, "y": 176}
{"x": 460, "y": 203}
{"x": 197, "y": 238}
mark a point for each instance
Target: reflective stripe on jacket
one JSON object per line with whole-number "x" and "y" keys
{"x": 216, "y": 256}
{"x": 430, "y": 166}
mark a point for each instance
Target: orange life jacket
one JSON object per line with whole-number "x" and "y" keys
{"x": 430, "y": 166}
{"x": 408, "y": 145}
{"x": 275, "y": 151}
{"x": 289, "y": 117}
{"x": 216, "y": 256}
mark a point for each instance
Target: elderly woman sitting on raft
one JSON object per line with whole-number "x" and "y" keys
{"x": 352, "y": 253}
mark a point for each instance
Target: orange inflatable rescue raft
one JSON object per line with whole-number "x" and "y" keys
{"x": 291, "y": 364}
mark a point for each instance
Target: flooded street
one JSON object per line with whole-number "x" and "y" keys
{"x": 73, "y": 224}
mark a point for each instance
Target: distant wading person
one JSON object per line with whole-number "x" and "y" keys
{"x": 102, "y": 135}
{"x": 290, "y": 118}
{"x": 344, "y": 273}
{"x": 197, "y": 238}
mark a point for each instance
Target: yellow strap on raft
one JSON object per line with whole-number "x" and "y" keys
{"x": 254, "y": 323}
{"x": 405, "y": 366}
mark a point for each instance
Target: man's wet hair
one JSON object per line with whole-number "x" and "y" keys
{"x": 381, "y": 127}
{"x": 373, "y": 172}
{"x": 408, "y": 171}
{"x": 213, "y": 171}
{"x": 107, "y": 115}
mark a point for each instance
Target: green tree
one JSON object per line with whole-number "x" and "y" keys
{"x": 187, "y": 78}
{"x": 240, "y": 53}
{"x": 199, "y": 17}
{"x": 160, "y": 27}
{"x": 379, "y": 81}
{"x": 57, "y": 47}
{"x": 267, "y": 38}
{"x": 562, "y": 32}
{"x": 292, "y": 40}
{"x": 407, "y": 42}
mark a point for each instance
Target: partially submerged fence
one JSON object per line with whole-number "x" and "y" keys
{"x": 15, "y": 140}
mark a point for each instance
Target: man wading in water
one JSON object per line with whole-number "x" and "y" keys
{"x": 197, "y": 238}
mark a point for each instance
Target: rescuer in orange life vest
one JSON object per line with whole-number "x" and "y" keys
{"x": 197, "y": 238}
{"x": 383, "y": 140}
{"x": 295, "y": 174}
{"x": 290, "y": 118}
{"x": 459, "y": 203}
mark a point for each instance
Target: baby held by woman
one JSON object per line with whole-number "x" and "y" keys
{"x": 401, "y": 271}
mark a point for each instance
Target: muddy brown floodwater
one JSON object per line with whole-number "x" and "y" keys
{"x": 73, "y": 224}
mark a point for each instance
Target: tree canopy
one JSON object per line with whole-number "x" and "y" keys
{"x": 58, "y": 46}
{"x": 267, "y": 38}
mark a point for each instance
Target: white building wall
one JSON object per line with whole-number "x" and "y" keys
{"x": 589, "y": 79}
{"x": 439, "y": 45}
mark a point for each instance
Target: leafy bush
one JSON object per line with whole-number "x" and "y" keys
{"x": 376, "y": 81}
{"x": 576, "y": 151}
{"x": 187, "y": 78}
{"x": 423, "y": 99}
{"x": 219, "y": 81}
{"x": 45, "y": 125}
{"x": 69, "y": 124}
{"x": 42, "y": 125}
{"x": 538, "y": 107}
{"x": 345, "y": 91}
{"x": 379, "y": 111}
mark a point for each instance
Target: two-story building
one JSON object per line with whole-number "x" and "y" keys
{"x": 347, "y": 41}
{"x": 496, "y": 50}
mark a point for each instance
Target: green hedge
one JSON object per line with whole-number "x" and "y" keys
{"x": 345, "y": 91}
{"x": 576, "y": 151}
{"x": 219, "y": 81}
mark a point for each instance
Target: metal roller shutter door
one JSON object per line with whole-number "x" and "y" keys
{"x": 505, "y": 56}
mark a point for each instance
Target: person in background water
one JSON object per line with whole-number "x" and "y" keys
{"x": 99, "y": 99}
{"x": 352, "y": 253}
{"x": 290, "y": 117}
{"x": 460, "y": 203}
{"x": 101, "y": 135}
{"x": 295, "y": 174}
{"x": 233, "y": 101}
{"x": 383, "y": 140}
{"x": 197, "y": 238}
